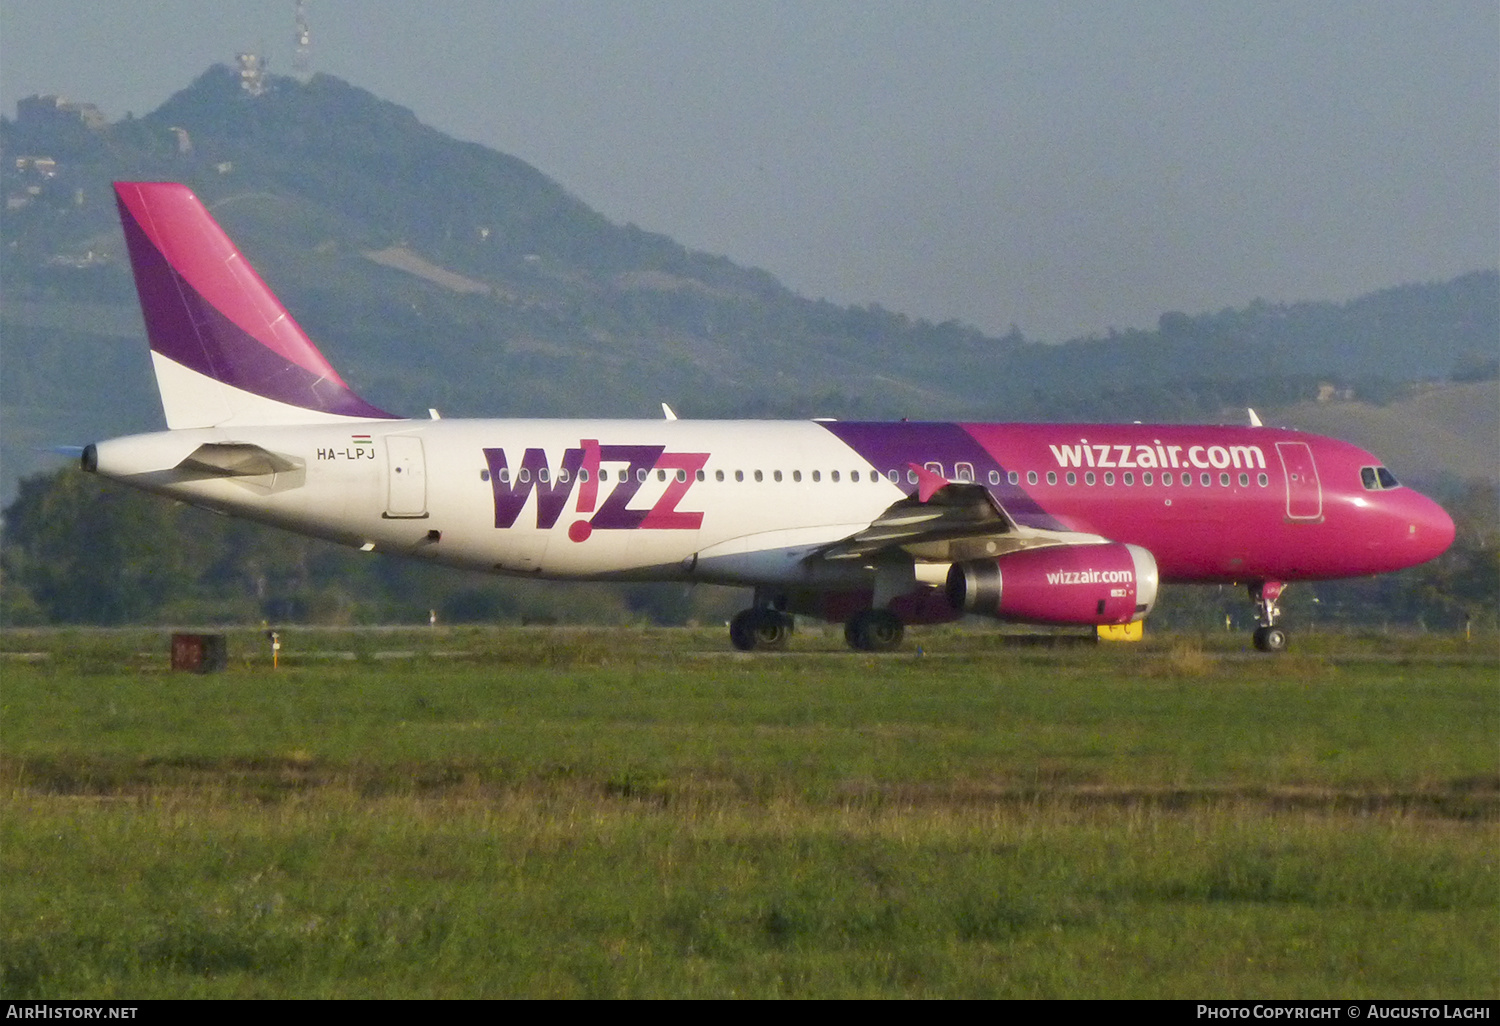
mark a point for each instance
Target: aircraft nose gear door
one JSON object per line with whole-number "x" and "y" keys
{"x": 406, "y": 478}
{"x": 1304, "y": 494}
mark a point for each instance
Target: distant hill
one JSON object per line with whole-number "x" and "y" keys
{"x": 1449, "y": 429}
{"x": 436, "y": 272}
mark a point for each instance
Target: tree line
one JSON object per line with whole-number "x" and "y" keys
{"x": 76, "y": 549}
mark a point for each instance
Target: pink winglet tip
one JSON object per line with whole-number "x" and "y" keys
{"x": 927, "y": 482}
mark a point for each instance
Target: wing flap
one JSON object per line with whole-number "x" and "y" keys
{"x": 952, "y": 512}
{"x": 951, "y": 522}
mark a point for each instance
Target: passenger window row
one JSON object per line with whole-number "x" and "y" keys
{"x": 1128, "y": 478}
{"x": 1373, "y": 477}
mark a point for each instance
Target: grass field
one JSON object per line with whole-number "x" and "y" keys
{"x": 572, "y": 812}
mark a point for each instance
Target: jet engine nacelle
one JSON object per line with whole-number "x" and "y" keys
{"x": 1063, "y": 584}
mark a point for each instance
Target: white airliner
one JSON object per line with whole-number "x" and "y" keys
{"x": 876, "y": 525}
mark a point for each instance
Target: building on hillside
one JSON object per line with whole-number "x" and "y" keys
{"x": 50, "y": 108}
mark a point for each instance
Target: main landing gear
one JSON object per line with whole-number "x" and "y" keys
{"x": 1265, "y": 595}
{"x": 767, "y": 629}
{"x": 760, "y": 630}
{"x": 874, "y": 630}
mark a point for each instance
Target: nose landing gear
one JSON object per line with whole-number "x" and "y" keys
{"x": 1268, "y": 637}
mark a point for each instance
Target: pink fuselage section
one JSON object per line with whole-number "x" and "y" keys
{"x": 1217, "y": 503}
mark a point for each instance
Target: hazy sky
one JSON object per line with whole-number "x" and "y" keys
{"x": 1063, "y": 166}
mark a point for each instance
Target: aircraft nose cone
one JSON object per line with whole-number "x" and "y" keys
{"x": 1429, "y": 529}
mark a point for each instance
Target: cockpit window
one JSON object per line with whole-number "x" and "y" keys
{"x": 1367, "y": 476}
{"x": 1387, "y": 479}
{"x": 1377, "y": 478}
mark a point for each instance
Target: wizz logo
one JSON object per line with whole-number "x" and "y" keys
{"x": 580, "y": 469}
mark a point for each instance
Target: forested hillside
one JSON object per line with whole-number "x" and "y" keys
{"x": 438, "y": 273}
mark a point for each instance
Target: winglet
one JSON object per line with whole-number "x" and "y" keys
{"x": 928, "y": 483}
{"x": 1254, "y": 420}
{"x": 666, "y": 411}
{"x": 225, "y": 350}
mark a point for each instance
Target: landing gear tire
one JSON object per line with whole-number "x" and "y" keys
{"x": 874, "y": 630}
{"x": 760, "y": 630}
{"x": 1267, "y": 595}
{"x": 1270, "y": 639}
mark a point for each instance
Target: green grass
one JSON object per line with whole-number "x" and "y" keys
{"x": 639, "y": 813}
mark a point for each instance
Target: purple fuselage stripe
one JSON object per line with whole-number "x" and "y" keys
{"x": 890, "y": 446}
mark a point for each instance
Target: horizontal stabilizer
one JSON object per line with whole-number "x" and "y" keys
{"x": 237, "y": 459}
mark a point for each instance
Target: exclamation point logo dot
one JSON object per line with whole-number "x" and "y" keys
{"x": 579, "y": 530}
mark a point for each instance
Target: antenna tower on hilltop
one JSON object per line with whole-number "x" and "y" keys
{"x": 252, "y": 72}
{"x": 302, "y": 58}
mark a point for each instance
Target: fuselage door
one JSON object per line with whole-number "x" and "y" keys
{"x": 1304, "y": 493}
{"x": 406, "y": 490}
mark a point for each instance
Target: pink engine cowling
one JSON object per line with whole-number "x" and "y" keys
{"x": 1106, "y": 583}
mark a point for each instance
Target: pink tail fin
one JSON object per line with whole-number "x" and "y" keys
{"x": 225, "y": 350}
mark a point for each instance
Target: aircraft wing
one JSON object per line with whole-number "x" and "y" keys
{"x": 946, "y": 521}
